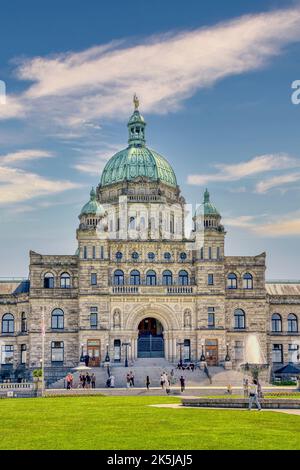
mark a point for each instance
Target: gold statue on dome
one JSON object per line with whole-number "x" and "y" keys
{"x": 136, "y": 102}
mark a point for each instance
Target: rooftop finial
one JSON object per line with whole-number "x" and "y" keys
{"x": 136, "y": 102}
{"x": 206, "y": 195}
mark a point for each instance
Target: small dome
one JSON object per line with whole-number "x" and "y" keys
{"x": 93, "y": 207}
{"x": 207, "y": 207}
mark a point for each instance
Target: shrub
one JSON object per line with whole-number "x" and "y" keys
{"x": 37, "y": 373}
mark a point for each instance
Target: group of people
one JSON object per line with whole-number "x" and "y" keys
{"x": 130, "y": 379}
{"x": 253, "y": 391}
{"x": 181, "y": 366}
{"x": 87, "y": 380}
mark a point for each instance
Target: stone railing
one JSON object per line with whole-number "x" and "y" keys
{"x": 16, "y": 386}
{"x": 163, "y": 290}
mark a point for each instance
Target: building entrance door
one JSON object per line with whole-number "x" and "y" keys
{"x": 93, "y": 350}
{"x": 150, "y": 340}
{"x": 211, "y": 352}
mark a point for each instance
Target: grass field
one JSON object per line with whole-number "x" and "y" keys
{"x": 128, "y": 423}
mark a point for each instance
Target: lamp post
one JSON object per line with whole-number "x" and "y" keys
{"x": 180, "y": 344}
{"x": 126, "y": 344}
{"x": 227, "y": 357}
{"x": 107, "y": 361}
{"x": 202, "y": 357}
{"x": 81, "y": 356}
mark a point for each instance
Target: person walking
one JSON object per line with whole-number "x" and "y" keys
{"x": 229, "y": 389}
{"x": 162, "y": 381}
{"x": 148, "y": 382}
{"x": 68, "y": 380}
{"x": 246, "y": 388}
{"x": 131, "y": 379}
{"x": 86, "y": 360}
{"x": 88, "y": 380}
{"x": 112, "y": 381}
{"x": 93, "y": 380}
{"x": 128, "y": 380}
{"x": 182, "y": 383}
{"x": 167, "y": 385}
{"x": 253, "y": 396}
{"x": 83, "y": 380}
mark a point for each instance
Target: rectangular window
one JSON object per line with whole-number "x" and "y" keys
{"x": 117, "y": 350}
{"x": 101, "y": 252}
{"x": 7, "y": 354}
{"x": 209, "y": 253}
{"x": 211, "y": 317}
{"x": 94, "y": 317}
{"x": 93, "y": 279}
{"x": 277, "y": 353}
{"x": 293, "y": 353}
{"x": 84, "y": 252}
{"x": 218, "y": 253}
{"x": 57, "y": 351}
{"x": 94, "y": 252}
{"x": 23, "y": 353}
{"x": 201, "y": 253}
{"x": 187, "y": 350}
{"x": 210, "y": 279}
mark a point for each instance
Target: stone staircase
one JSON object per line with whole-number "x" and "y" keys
{"x": 153, "y": 368}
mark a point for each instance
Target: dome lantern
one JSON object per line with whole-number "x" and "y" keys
{"x": 136, "y": 126}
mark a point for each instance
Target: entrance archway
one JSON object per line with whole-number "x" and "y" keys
{"x": 150, "y": 339}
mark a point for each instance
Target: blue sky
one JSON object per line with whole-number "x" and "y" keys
{"x": 214, "y": 82}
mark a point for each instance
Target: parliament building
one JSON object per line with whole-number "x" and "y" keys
{"x": 139, "y": 283}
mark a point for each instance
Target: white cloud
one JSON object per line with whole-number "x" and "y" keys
{"x": 74, "y": 88}
{"x": 18, "y": 186}
{"x": 277, "y": 182}
{"x": 94, "y": 162}
{"x": 24, "y": 156}
{"x": 264, "y": 225}
{"x": 284, "y": 227}
{"x": 235, "y": 172}
{"x": 243, "y": 221}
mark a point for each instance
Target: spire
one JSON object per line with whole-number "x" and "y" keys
{"x": 136, "y": 102}
{"x": 136, "y": 126}
{"x": 206, "y": 196}
{"x": 93, "y": 194}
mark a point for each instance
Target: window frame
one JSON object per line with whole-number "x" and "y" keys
{"x": 56, "y": 319}
{"x": 239, "y": 319}
{"x": 8, "y": 324}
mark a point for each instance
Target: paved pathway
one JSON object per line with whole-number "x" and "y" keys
{"x": 178, "y": 406}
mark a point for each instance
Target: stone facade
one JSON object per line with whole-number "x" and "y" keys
{"x": 134, "y": 262}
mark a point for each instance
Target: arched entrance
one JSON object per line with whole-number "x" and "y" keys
{"x": 150, "y": 340}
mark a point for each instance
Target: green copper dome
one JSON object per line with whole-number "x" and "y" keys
{"x": 207, "y": 208}
{"x": 93, "y": 207}
{"x": 137, "y": 160}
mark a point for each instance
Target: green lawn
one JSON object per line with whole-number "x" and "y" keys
{"x": 128, "y": 423}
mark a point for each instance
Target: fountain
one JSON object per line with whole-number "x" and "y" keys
{"x": 253, "y": 356}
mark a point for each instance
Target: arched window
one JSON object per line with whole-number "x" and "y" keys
{"x": 239, "y": 319}
{"x": 292, "y": 323}
{"x": 48, "y": 281}
{"x": 247, "y": 281}
{"x": 119, "y": 255}
{"x": 183, "y": 278}
{"x": 167, "y": 256}
{"x": 151, "y": 255}
{"x": 151, "y": 278}
{"x": 135, "y": 255}
{"x": 167, "y": 278}
{"x": 8, "y": 323}
{"x": 131, "y": 223}
{"x": 231, "y": 281}
{"x": 135, "y": 277}
{"x": 276, "y": 323}
{"x": 23, "y": 322}
{"x": 118, "y": 277}
{"x": 65, "y": 281}
{"x": 57, "y": 319}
